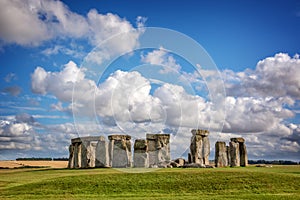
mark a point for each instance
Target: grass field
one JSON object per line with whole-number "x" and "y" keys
{"x": 278, "y": 182}
{"x": 32, "y": 163}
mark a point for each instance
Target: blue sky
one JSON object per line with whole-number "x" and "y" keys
{"x": 254, "y": 44}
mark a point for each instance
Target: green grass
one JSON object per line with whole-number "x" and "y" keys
{"x": 279, "y": 182}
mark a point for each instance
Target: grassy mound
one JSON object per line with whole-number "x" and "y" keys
{"x": 227, "y": 183}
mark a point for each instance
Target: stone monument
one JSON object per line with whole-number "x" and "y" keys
{"x": 221, "y": 159}
{"x": 102, "y": 153}
{"x": 141, "y": 157}
{"x": 200, "y": 147}
{"x": 158, "y": 148}
{"x": 82, "y": 152}
{"x": 238, "y": 152}
{"x": 120, "y": 151}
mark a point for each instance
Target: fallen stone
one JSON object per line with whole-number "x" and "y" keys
{"x": 180, "y": 161}
{"x": 194, "y": 165}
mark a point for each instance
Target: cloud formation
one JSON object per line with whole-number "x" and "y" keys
{"x": 12, "y": 90}
{"x": 127, "y": 101}
{"x": 276, "y": 76}
{"x": 34, "y": 22}
{"x": 163, "y": 58}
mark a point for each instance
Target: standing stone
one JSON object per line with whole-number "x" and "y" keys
{"x": 239, "y": 151}
{"x": 196, "y": 148}
{"x": 102, "y": 153}
{"x": 77, "y": 155}
{"x": 91, "y": 154}
{"x": 88, "y": 151}
{"x": 234, "y": 154}
{"x": 158, "y": 148}
{"x": 243, "y": 155}
{"x": 221, "y": 159}
{"x": 71, "y": 157}
{"x": 83, "y": 152}
{"x": 206, "y": 150}
{"x": 189, "y": 158}
{"x": 228, "y": 155}
{"x": 120, "y": 150}
{"x": 141, "y": 158}
{"x": 200, "y": 147}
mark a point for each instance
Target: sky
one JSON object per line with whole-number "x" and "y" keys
{"x": 72, "y": 68}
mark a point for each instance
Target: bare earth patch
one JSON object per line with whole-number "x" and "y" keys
{"x": 27, "y": 163}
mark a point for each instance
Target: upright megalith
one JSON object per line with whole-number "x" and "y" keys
{"x": 120, "y": 150}
{"x": 200, "y": 147}
{"x": 243, "y": 155}
{"x": 102, "y": 153}
{"x": 140, "y": 157}
{"x": 158, "y": 148}
{"x": 234, "y": 154}
{"x": 228, "y": 154}
{"x": 238, "y": 152}
{"x": 82, "y": 152}
{"x": 221, "y": 159}
{"x": 71, "y": 156}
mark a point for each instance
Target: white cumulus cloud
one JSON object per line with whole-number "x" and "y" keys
{"x": 31, "y": 22}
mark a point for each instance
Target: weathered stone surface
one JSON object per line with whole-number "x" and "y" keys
{"x": 175, "y": 164}
{"x": 200, "y": 132}
{"x": 88, "y": 151}
{"x": 228, "y": 155}
{"x": 91, "y": 154}
{"x": 141, "y": 158}
{"x": 234, "y": 154}
{"x": 163, "y": 147}
{"x": 194, "y": 165}
{"x": 88, "y": 138}
{"x": 158, "y": 148}
{"x": 180, "y": 161}
{"x": 120, "y": 150}
{"x": 200, "y": 147}
{"x": 243, "y": 155}
{"x": 77, "y": 155}
{"x": 239, "y": 140}
{"x": 189, "y": 158}
{"x": 71, "y": 157}
{"x": 140, "y": 145}
{"x": 83, "y": 151}
{"x": 119, "y": 137}
{"x": 238, "y": 152}
{"x": 196, "y": 149}
{"x": 102, "y": 154}
{"x": 84, "y": 154}
{"x": 221, "y": 159}
{"x": 206, "y": 150}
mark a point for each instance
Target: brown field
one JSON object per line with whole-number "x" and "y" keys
{"x": 27, "y": 163}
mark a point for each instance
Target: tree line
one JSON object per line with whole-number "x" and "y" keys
{"x": 274, "y": 162}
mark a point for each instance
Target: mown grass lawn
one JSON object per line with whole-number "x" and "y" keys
{"x": 278, "y": 182}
